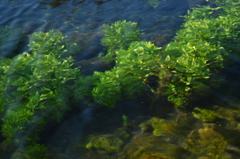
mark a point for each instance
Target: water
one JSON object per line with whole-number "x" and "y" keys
{"x": 81, "y": 21}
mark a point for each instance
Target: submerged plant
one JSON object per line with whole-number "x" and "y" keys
{"x": 133, "y": 66}
{"x": 38, "y": 86}
{"x": 200, "y": 51}
{"x": 207, "y": 141}
{"x": 34, "y": 152}
{"x": 105, "y": 142}
{"x": 125, "y": 120}
{"x": 205, "y": 115}
{"x": 118, "y": 36}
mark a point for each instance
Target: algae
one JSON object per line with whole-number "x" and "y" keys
{"x": 106, "y": 142}
{"x": 205, "y": 115}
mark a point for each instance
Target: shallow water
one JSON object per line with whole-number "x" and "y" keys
{"x": 81, "y": 21}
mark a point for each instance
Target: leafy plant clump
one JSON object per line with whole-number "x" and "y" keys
{"x": 37, "y": 86}
{"x": 128, "y": 77}
{"x": 118, "y": 36}
{"x": 209, "y": 38}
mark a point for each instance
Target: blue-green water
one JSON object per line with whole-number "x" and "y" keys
{"x": 81, "y": 21}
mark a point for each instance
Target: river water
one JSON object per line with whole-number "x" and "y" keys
{"x": 81, "y": 21}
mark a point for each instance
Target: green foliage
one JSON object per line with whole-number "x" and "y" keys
{"x": 52, "y": 42}
{"x": 106, "y": 142}
{"x": 34, "y": 152}
{"x": 118, "y": 36}
{"x": 205, "y": 115}
{"x": 133, "y": 66}
{"x": 200, "y": 50}
{"x": 125, "y": 120}
{"x": 37, "y": 86}
{"x": 207, "y": 142}
{"x": 10, "y": 39}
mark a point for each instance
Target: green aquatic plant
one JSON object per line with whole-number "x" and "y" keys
{"x": 38, "y": 86}
{"x": 159, "y": 127}
{"x": 128, "y": 77}
{"x": 35, "y": 151}
{"x": 205, "y": 115}
{"x": 200, "y": 50}
{"x": 207, "y": 142}
{"x": 185, "y": 67}
{"x": 125, "y": 120}
{"x": 106, "y": 142}
{"x": 118, "y": 36}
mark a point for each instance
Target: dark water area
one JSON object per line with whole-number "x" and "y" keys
{"x": 81, "y": 21}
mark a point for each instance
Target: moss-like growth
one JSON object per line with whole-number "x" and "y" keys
{"x": 229, "y": 114}
{"x": 106, "y": 142}
{"x": 150, "y": 147}
{"x": 34, "y": 152}
{"x": 158, "y": 126}
{"x": 123, "y": 134}
{"x": 207, "y": 141}
{"x": 204, "y": 115}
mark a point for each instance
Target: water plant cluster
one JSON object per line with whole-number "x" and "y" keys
{"x": 41, "y": 85}
{"x": 206, "y": 43}
{"x": 37, "y": 87}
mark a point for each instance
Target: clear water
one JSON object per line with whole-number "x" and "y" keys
{"x": 81, "y": 21}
